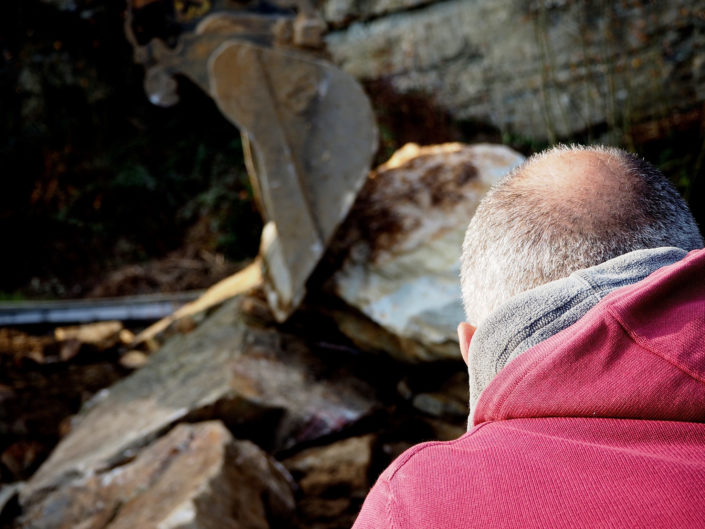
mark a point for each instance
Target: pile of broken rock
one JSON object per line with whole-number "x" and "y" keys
{"x": 239, "y": 421}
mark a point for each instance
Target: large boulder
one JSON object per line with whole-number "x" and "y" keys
{"x": 197, "y": 476}
{"x": 533, "y": 69}
{"x": 403, "y": 240}
{"x": 235, "y": 367}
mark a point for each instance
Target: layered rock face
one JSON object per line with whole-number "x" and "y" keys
{"x": 539, "y": 69}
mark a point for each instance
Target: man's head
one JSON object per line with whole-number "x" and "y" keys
{"x": 562, "y": 210}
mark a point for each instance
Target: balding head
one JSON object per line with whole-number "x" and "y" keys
{"x": 562, "y": 210}
{"x": 583, "y": 177}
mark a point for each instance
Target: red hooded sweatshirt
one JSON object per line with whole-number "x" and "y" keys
{"x": 601, "y": 425}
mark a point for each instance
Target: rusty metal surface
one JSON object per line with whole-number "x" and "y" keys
{"x": 308, "y": 127}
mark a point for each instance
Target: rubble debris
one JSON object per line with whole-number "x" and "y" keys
{"x": 133, "y": 359}
{"x": 197, "y": 476}
{"x": 20, "y": 344}
{"x": 35, "y": 401}
{"x": 294, "y": 389}
{"x": 232, "y": 367}
{"x": 102, "y": 335}
{"x": 344, "y": 462}
{"x": 241, "y": 281}
{"x": 126, "y": 336}
{"x": 333, "y": 479}
{"x": 187, "y": 269}
{"x": 65, "y": 343}
{"x": 403, "y": 240}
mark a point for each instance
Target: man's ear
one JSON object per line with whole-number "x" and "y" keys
{"x": 465, "y": 332}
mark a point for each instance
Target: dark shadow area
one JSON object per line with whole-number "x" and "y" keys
{"x": 95, "y": 176}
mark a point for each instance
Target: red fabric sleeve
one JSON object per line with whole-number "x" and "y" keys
{"x": 376, "y": 510}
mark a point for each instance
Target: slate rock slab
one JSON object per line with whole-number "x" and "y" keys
{"x": 197, "y": 476}
{"x": 232, "y": 367}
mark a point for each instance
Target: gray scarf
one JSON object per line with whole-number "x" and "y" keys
{"x": 537, "y": 314}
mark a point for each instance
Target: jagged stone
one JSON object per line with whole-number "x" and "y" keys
{"x": 133, "y": 359}
{"x": 404, "y": 236}
{"x": 334, "y": 478}
{"x": 231, "y": 367}
{"x": 197, "y": 476}
{"x": 344, "y": 462}
{"x": 534, "y": 69}
{"x": 99, "y": 336}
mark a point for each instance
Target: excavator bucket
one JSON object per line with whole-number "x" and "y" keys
{"x": 307, "y": 126}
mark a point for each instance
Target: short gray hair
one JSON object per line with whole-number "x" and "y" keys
{"x": 525, "y": 233}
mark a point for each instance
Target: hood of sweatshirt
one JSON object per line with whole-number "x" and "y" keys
{"x": 638, "y": 353}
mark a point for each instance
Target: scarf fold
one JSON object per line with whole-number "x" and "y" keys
{"x": 537, "y": 314}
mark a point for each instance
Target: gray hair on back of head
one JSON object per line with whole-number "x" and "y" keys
{"x": 525, "y": 234}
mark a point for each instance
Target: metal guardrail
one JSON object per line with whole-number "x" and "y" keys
{"x": 148, "y": 307}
